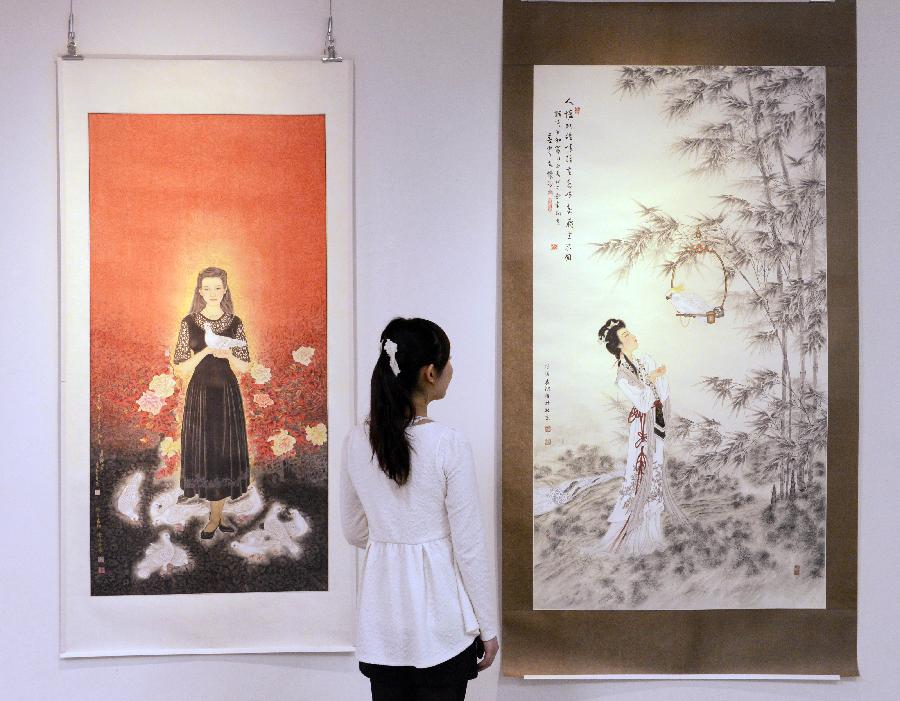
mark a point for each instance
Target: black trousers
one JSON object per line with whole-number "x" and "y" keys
{"x": 446, "y": 681}
{"x": 387, "y": 691}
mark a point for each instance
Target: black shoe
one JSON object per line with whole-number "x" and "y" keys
{"x": 226, "y": 529}
{"x": 206, "y": 535}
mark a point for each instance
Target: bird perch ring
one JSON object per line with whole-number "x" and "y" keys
{"x": 692, "y": 252}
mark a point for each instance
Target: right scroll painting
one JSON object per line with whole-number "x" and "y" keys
{"x": 680, "y": 366}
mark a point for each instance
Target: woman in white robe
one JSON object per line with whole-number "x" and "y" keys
{"x": 635, "y": 524}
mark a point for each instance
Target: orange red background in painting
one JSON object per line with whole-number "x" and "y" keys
{"x": 173, "y": 194}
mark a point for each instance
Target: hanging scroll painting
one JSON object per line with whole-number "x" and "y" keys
{"x": 202, "y": 321}
{"x": 680, "y": 333}
{"x": 245, "y": 429}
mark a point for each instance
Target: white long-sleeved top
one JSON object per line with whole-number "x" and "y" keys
{"x": 426, "y": 588}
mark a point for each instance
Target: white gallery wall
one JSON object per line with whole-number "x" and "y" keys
{"x": 427, "y": 214}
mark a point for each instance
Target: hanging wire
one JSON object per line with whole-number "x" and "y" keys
{"x": 71, "y": 45}
{"x": 330, "y": 54}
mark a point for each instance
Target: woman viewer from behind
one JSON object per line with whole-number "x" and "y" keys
{"x": 409, "y": 497}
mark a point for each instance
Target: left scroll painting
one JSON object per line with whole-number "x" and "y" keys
{"x": 208, "y": 418}
{"x": 207, "y": 322}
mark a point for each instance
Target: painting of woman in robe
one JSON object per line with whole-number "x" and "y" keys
{"x": 635, "y": 524}
{"x": 689, "y": 201}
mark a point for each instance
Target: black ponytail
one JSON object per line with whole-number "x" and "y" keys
{"x": 419, "y": 343}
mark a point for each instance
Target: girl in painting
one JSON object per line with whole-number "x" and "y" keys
{"x": 211, "y": 348}
{"x": 635, "y": 524}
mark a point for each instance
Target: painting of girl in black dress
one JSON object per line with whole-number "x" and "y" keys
{"x": 209, "y": 354}
{"x": 212, "y": 351}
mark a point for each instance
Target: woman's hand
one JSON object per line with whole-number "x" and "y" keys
{"x": 491, "y": 647}
{"x": 186, "y": 368}
{"x": 224, "y": 353}
{"x": 656, "y": 374}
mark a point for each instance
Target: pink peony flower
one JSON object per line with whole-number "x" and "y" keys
{"x": 317, "y": 435}
{"x": 151, "y": 402}
{"x": 282, "y": 442}
{"x": 262, "y": 399}
{"x": 169, "y": 447}
{"x": 303, "y": 355}
{"x": 260, "y": 373}
{"x": 163, "y": 385}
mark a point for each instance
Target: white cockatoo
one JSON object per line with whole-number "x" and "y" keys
{"x": 217, "y": 342}
{"x": 688, "y": 302}
{"x": 246, "y": 507}
{"x": 161, "y": 557}
{"x": 130, "y": 497}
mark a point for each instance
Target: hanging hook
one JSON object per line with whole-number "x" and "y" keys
{"x": 330, "y": 54}
{"x": 71, "y": 45}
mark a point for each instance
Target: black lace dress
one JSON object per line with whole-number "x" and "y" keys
{"x": 214, "y": 459}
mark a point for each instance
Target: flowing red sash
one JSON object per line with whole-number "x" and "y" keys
{"x": 641, "y": 442}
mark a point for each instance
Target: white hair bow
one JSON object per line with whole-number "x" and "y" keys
{"x": 391, "y": 349}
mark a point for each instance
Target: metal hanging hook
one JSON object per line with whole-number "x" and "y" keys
{"x": 71, "y": 45}
{"x": 330, "y": 54}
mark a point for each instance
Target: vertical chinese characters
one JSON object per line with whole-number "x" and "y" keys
{"x": 547, "y": 425}
{"x": 560, "y": 147}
